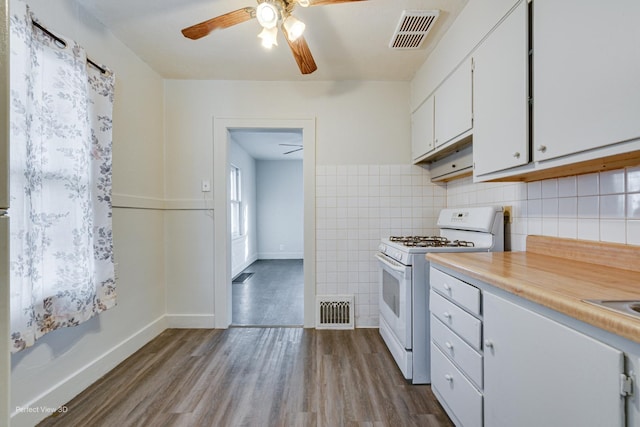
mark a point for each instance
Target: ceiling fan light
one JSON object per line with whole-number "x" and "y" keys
{"x": 304, "y": 3}
{"x": 269, "y": 37}
{"x": 294, "y": 27}
{"x": 267, "y": 15}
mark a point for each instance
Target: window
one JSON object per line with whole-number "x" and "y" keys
{"x": 236, "y": 201}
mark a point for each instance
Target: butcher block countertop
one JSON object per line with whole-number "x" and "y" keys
{"x": 559, "y": 274}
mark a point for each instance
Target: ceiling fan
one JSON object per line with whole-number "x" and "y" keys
{"x": 292, "y": 145}
{"x": 270, "y": 14}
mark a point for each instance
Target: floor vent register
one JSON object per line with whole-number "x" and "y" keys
{"x": 335, "y": 312}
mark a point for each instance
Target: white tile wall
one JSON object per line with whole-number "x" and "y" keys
{"x": 356, "y": 206}
{"x": 599, "y": 206}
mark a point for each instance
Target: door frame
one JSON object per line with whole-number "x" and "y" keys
{"x": 222, "y": 225}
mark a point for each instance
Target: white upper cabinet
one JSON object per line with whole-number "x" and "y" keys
{"x": 586, "y": 75}
{"x": 422, "y": 129}
{"x": 445, "y": 118}
{"x": 500, "y": 96}
{"x": 454, "y": 105}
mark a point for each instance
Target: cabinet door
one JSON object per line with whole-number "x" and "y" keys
{"x": 422, "y": 129}
{"x": 500, "y": 96}
{"x": 586, "y": 68}
{"x": 453, "y": 105}
{"x": 538, "y": 372}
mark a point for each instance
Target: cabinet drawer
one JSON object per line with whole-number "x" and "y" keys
{"x": 462, "y": 293}
{"x": 467, "y": 359}
{"x": 462, "y": 323}
{"x": 457, "y": 393}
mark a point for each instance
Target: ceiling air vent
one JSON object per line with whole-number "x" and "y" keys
{"x": 413, "y": 28}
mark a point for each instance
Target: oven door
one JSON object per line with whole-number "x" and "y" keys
{"x": 395, "y": 298}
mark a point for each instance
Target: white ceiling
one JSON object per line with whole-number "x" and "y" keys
{"x": 349, "y": 41}
{"x": 264, "y": 144}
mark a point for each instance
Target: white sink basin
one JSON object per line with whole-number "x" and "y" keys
{"x": 628, "y": 307}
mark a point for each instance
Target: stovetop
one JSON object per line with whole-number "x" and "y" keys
{"x": 402, "y": 248}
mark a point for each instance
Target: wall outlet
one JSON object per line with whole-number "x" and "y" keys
{"x": 205, "y": 186}
{"x": 508, "y": 214}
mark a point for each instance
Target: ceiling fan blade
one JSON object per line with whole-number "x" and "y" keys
{"x": 326, "y": 2}
{"x": 227, "y": 20}
{"x": 302, "y": 54}
{"x": 292, "y": 151}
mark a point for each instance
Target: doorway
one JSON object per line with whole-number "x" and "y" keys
{"x": 222, "y": 211}
{"x": 267, "y": 233}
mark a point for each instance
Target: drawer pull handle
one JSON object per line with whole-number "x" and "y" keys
{"x": 446, "y": 315}
{"x": 488, "y": 343}
{"x": 449, "y": 345}
{"x": 447, "y": 287}
{"x": 448, "y": 378}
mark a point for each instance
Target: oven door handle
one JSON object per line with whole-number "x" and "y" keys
{"x": 395, "y": 267}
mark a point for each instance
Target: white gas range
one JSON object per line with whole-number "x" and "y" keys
{"x": 404, "y": 281}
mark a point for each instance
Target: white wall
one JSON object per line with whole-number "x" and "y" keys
{"x": 280, "y": 198}
{"x": 64, "y": 362}
{"x": 357, "y": 123}
{"x": 244, "y": 249}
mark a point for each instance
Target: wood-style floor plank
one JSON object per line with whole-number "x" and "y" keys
{"x": 256, "y": 377}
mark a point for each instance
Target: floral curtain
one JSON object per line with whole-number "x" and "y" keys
{"x": 61, "y": 259}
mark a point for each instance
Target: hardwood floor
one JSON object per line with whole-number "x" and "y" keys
{"x": 256, "y": 377}
{"x": 273, "y": 296}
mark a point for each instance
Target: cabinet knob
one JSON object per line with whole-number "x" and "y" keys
{"x": 449, "y": 345}
{"x": 448, "y": 378}
{"x": 488, "y": 343}
{"x": 446, "y": 315}
{"x": 516, "y": 155}
{"x": 542, "y": 148}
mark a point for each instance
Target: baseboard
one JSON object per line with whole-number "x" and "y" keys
{"x": 253, "y": 258}
{"x": 280, "y": 255}
{"x": 42, "y": 406}
{"x": 190, "y": 321}
{"x": 367, "y": 322}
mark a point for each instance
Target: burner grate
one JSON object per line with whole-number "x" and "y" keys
{"x": 430, "y": 241}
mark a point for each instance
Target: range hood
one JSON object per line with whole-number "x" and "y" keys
{"x": 455, "y": 165}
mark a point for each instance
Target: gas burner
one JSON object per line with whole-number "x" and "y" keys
{"x": 461, "y": 243}
{"x": 429, "y": 241}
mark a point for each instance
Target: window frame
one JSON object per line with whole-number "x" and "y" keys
{"x": 235, "y": 202}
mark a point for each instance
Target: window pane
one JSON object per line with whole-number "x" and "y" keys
{"x": 235, "y": 219}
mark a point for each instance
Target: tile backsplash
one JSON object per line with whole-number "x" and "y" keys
{"x": 601, "y": 206}
{"x": 357, "y": 205}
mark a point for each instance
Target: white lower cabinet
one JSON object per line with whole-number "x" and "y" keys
{"x": 509, "y": 366}
{"x": 541, "y": 373}
{"x": 456, "y": 342}
{"x": 461, "y": 399}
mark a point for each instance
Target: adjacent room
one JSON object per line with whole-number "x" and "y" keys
{"x": 267, "y": 227}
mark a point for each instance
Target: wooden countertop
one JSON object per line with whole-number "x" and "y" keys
{"x": 592, "y": 270}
